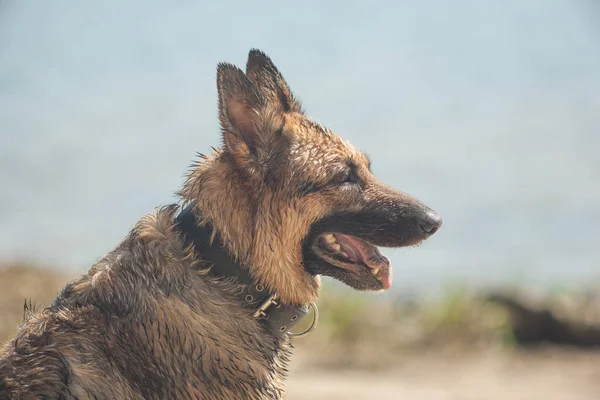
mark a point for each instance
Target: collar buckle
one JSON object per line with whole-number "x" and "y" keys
{"x": 261, "y": 311}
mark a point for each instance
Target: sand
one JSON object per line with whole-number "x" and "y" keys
{"x": 552, "y": 374}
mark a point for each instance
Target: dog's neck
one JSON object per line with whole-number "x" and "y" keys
{"x": 259, "y": 225}
{"x": 260, "y": 302}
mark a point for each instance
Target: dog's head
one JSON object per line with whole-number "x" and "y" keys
{"x": 291, "y": 199}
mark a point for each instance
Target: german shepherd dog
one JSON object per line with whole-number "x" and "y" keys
{"x": 198, "y": 301}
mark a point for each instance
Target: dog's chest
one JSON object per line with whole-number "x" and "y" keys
{"x": 211, "y": 350}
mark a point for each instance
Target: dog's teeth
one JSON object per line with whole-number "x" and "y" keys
{"x": 335, "y": 246}
{"x": 344, "y": 254}
{"x": 329, "y": 238}
{"x": 375, "y": 271}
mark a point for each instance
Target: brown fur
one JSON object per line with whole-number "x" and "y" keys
{"x": 148, "y": 321}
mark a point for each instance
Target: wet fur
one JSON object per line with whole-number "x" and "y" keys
{"x": 148, "y": 321}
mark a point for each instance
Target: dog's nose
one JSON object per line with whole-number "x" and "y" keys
{"x": 431, "y": 223}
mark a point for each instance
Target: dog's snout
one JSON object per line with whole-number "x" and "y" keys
{"x": 431, "y": 223}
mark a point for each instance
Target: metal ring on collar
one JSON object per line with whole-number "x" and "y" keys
{"x": 312, "y": 326}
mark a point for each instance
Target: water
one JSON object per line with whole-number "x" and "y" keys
{"x": 488, "y": 114}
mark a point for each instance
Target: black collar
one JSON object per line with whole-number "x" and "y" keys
{"x": 262, "y": 304}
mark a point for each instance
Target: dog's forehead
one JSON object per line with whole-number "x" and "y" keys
{"x": 315, "y": 144}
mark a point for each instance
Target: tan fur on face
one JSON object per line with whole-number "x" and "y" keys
{"x": 317, "y": 152}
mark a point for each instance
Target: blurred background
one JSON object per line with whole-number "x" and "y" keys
{"x": 488, "y": 112}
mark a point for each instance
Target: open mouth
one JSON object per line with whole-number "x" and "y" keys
{"x": 354, "y": 255}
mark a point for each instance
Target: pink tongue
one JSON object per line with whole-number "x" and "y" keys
{"x": 360, "y": 251}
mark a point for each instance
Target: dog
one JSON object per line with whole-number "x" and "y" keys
{"x": 199, "y": 299}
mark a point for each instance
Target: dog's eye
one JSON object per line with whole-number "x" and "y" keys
{"x": 346, "y": 176}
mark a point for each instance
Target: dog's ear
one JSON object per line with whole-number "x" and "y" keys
{"x": 269, "y": 81}
{"x": 251, "y": 126}
{"x": 239, "y": 107}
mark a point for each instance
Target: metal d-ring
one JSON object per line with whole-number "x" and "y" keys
{"x": 312, "y": 326}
